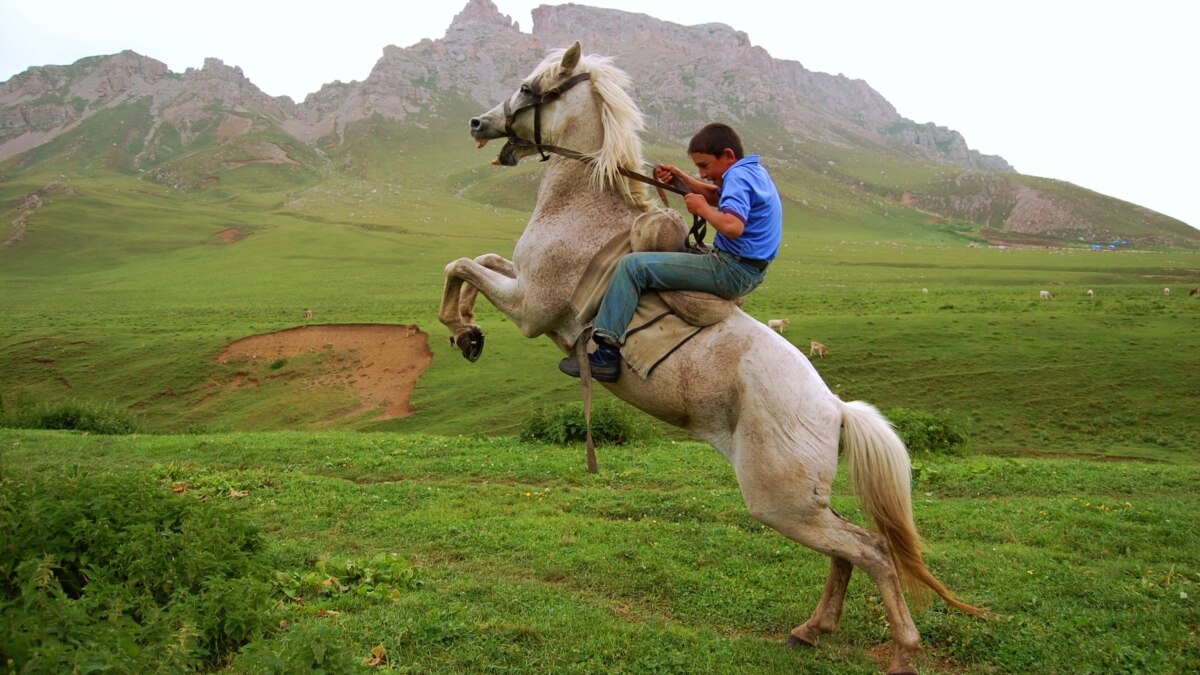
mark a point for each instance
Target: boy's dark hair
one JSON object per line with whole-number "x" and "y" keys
{"x": 714, "y": 138}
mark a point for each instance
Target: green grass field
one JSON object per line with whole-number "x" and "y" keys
{"x": 524, "y": 562}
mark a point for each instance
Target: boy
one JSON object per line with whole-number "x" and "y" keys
{"x": 742, "y": 204}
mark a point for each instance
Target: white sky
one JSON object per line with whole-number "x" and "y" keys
{"x": 1100, "y": 93}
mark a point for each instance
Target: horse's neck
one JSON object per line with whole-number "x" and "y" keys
{"x": 571, "y": 210}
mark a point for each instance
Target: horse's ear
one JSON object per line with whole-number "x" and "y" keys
{"x": 570, "y": 57}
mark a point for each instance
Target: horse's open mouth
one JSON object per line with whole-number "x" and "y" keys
{"x": 507, "y": 157}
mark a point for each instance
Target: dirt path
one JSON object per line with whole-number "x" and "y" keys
{"x": 380, "y": 363}
{"x": 28, "y": 206}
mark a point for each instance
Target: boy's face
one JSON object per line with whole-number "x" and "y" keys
{"x": 713, "y": 167}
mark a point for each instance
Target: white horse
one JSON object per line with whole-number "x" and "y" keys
{"x": 737, "y": 384}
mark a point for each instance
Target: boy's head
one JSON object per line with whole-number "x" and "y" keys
{"x": 714, "y": 149}
{"x": 714, "y": 138}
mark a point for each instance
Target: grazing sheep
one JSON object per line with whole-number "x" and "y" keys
{"x": 1167, "y": 292}
{"x": 925, "y": 291}
{"x": 815, "y": 347}
{"x": 1046, "y": 295}
{"x": 778, "y": 324}
{"x": 1091, "y": 293}
{"x": 1194, "y": 291}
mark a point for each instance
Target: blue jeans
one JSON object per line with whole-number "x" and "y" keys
{"x": 717, "y": 272}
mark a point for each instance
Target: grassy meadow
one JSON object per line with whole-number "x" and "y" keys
{"x": 122, "y": 291}
{"x": 1073, "y": 518}
{"x": 524, "y": 562}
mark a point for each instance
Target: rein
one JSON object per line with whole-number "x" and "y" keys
{"x": 699, "y": 225}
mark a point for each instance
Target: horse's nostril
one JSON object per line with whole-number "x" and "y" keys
{"x": 475, "y": 123}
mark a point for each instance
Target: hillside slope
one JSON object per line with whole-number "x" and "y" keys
{"x": 212, "y": 126}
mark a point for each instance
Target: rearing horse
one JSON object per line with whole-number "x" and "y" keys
{"x": 736, "y": 384}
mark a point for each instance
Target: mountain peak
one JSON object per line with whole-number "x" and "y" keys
{"x": 482, "y": 12}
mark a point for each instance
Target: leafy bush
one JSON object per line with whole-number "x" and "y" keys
{"x": 381, "y": 578}
{"x": 97, "y": 418}
{"x": 929, "y": 433}
{"x": 612, "y": 422}
{"x": 116, "y": 573}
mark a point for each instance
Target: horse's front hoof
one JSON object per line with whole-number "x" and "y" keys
{"x": 470, "y": 342}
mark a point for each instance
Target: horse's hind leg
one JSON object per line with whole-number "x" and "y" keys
{"x": 829, "y": 610}
{"x": 802, "y": 513}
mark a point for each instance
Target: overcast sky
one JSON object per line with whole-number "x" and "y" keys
{"x": 1099, "y": 93}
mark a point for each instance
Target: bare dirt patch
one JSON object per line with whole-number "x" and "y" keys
{"x": 379, "y": 363}
{"x": 230, "y": 235}
{"x": 231, "y": 126}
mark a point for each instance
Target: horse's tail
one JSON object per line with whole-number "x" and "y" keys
{"x": 881, "y": 475}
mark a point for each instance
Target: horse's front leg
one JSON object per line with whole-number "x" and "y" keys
{"x": 496, "y": 278}
{"x": 468, "y": 295}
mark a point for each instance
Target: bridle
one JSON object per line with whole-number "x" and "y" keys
{"x": 535, "y": 99}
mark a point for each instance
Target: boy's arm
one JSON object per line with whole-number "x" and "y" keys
{"x": 726, "y": 223}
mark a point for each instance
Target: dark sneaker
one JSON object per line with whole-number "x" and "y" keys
{"x": 605, "y": 365}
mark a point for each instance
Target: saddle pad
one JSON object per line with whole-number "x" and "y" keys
{"x": 654, "y": 334}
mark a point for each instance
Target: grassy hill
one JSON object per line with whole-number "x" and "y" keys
{"x": 125, "y": 289}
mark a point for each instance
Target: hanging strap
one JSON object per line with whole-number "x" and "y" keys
{"x": 585, "y": 380}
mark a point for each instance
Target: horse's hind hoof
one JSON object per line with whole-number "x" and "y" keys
{"x": 795, "y": 641}
{"x": 470, "y": 343}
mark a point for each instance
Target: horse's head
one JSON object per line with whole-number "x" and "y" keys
{"x": 535, "y": 105}
{"x": 572, "y": 101}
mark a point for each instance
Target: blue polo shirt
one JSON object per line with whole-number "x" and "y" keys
{"x": 749, "y": 194}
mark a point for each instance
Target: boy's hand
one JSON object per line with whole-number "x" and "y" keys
{"x": 695, "y": 202}
{"x": 665, "y": 173}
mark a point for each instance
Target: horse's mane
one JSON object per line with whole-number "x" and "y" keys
{"x": 622, "y": 122}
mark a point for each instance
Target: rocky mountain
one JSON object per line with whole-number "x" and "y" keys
{"x": 218, "y": 119}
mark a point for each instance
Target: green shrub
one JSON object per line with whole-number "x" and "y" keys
{"x": 96, "y": 418}
{"x": 308, "y": 646}
{"x": 929, "y": 433}
{"x": 612, "y": 422}
{"x": 116, "y": 573}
